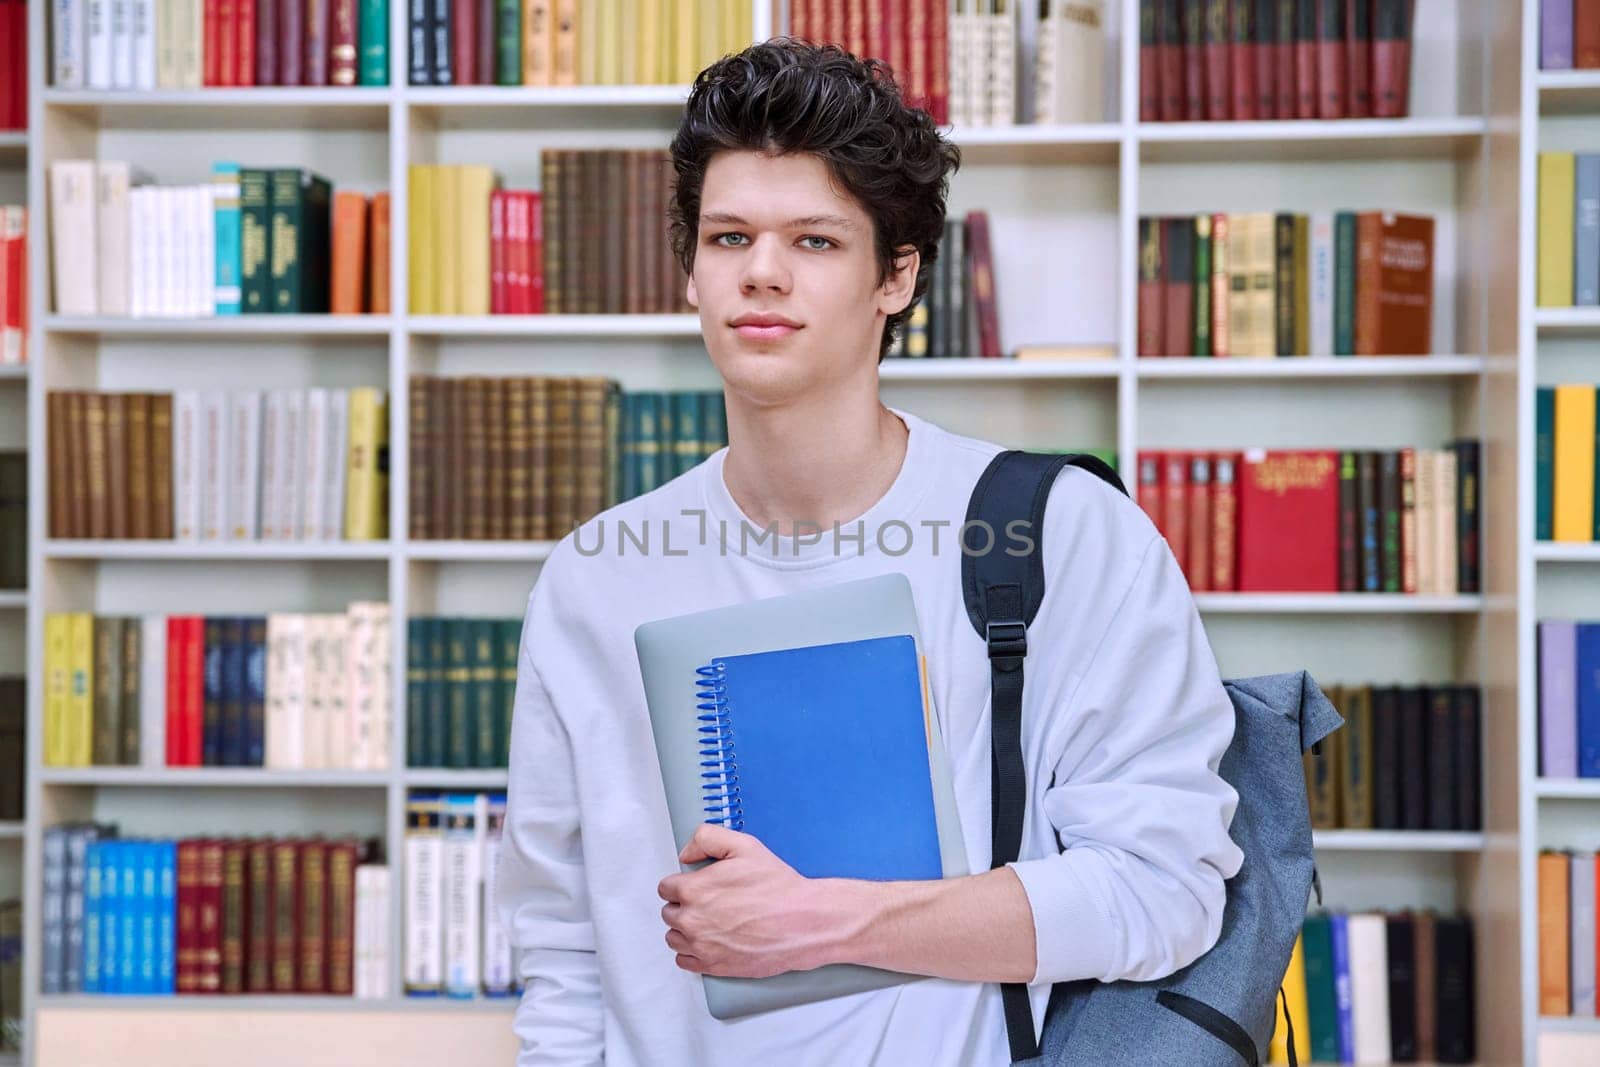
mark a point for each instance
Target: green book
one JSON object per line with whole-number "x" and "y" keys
{"x": 508, "y": 42}
{"x": 458, "y": 695}
{"x": 508, "y": 639}
{"x": 713, "y": 421}
{"x": 628, "y": 448}
{"x": 686, "y": 437}
{"x": 374, "y": 23}
{"x": 255, "y": 240}
{"x": 1321, "y": 997}
{"x": 485, "y": 693}
{"x": 107, "y": 747}
{"x": 302, "y": 203}
{"x": 1344, "y": 283}
{"x": 613, "y": 444}
{"x": 416, "y": 690}
{"x": 1544, "y": 463}
{"x": 1202, "y": 286}
{"x": 647, "y": 437}
{"x": 438, "y": 696}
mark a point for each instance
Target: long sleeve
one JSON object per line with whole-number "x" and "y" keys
{"x": 1137, "y": 803}
{"x": 543, "y": 894}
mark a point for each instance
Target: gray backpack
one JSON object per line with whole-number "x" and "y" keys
{"x": 1220, "y": 1010}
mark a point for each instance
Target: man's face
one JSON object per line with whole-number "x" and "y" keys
{"x": 785, "y": 277}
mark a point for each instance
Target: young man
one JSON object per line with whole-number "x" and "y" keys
{"x": 808, "y": 208}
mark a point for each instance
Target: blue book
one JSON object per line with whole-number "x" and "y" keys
{"x": 227, "y": 290}
{"x": 166, "y": 911}
{"x": 255, "y": 690}
{"x": 148, "y": 900}
{"x": 91, "y": 917}
{"x": 128, "y": 927}
{"x": 110, "y": 916}
{"x": 1544, "y": 462}
{"x": 824, "y": 737}
{"x": 211, "y": 721}
{"x": 1588, "y": 700}
{"x": 1586, "y": 224}
{"x": 233, "y": 692}
{"x": 1343, "y": 1003}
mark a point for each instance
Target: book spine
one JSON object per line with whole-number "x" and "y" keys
{"x": 1555, "y": 34}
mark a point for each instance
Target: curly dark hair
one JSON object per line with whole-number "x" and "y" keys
{"x": 785, "y": 95}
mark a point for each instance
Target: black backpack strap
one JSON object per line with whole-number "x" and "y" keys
{"x": 1003, "y": 590}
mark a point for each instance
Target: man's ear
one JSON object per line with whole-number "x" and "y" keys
{"x": 693, "y": 294}
{"x": 895, "y": 294}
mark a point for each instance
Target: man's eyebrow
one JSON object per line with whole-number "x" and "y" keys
{"x": 724, "y": 218}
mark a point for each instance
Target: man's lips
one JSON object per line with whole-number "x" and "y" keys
{"x": 767, "y": 332}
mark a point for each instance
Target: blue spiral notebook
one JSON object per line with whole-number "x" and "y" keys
{"x": 822, "y": 753}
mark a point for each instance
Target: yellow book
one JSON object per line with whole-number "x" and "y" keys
{"x": 57, "y": 688}
{"x": 1294, "y": 987}
{"x": 1263, "y": 284}
{"x": 1573, "y": 482}
{"x": 626, "y": 20}
{"x": 422, "y": 262}
{"x": 608, "y": 44}
{"x": 80, "y": 699}
{"x": 447, "y": 206}
{"x": 647, "y": 42}
{"x": 567, "y": 43}
{"x": 715, "y": 28}
{"x": 538, "y": 42}
{"x": 1241, "y": 334}
{"x": 589, "y": 43}
{"x": 745, "y": 30}
{"x": 1557, "y": 190}
{"x": 365, "y": 511}
{"x": 686, "y": 38}
{"x": 475, "y": 186}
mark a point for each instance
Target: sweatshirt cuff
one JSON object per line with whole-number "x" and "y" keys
{"x": 1075, "y": 934}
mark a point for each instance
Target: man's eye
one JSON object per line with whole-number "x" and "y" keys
{"x": 722, "y": 237}
{"x": 826, "y": 243}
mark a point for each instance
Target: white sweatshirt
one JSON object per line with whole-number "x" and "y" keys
{"x": 1124, "y": 722}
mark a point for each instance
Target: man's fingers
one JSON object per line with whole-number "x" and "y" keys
{"x": 690, "y": 963}
{"x": 670, "y": 888}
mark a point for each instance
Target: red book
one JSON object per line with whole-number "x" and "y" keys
{"x": 245, "y": 42}
{"x": 312, "y": 962}
{"x": 896, "y": 19}
{"x": 174, "y": 737}
{"x": 522, "y": 245}
{"x": 1150, "y": 466}
{"x": 1194, "y": 60}
{"x": 208, "y": 956}
{"x": 516, "y": 250}
{"x": 1242, "y": 61}
{"x": 293, "y": 27}
{"x": 226, "y": 42}
{"x": 497, "y": 252}
{"x": 285, "y": 916}
{"x": 266, "y": 29}
{"x": 1149, "y": 60}
{"x": 1151, "y": 275}
{"x": 1289, "y": 522}
{"x": 1284, "y": 57}
{"x": 464, "y": 42}
{"x": 342, "y": 43}
{"x": 1224, "y": 523}
{"x": 534, "y": 275}
{"x": 1585, "y": 35}
{"x": 1217, "y": 33}
{"x": 916, "y": 78}
{"x": 186, "y": 974}
{"x": 1331, "y": 102}
{"x": 194, "y": 690}
{"x": 1175, "y": 506}
{"x": 210, "y": 55}
{"x": 1358, "y": 57}
{"x": 983, "y": 287}
{"x": 833, "y": 21}
{"x": 1199, "y": 569}
{"x": 1305, "y": 58}
{"x": 939, "y": 61}
{"x": 1177, "y": 297}
{"x": 1391, "y": 59}
{"x": 1169, "y": 53}
{"x": 1264, "y": 34}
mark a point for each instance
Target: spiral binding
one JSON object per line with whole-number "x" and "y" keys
{"x": 720, "y": 790}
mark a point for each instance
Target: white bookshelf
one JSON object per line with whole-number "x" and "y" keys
{"x": 1079, "y": 188}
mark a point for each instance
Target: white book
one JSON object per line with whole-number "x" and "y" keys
{"x": 1003, "y": 62}
{"x": 187, "y": 450}
{"x": 382, "y": 687}
{"x": 203, "y": 275}
{"x": 99, "y": 43}
{"x": 153, "y": 690}
{"x": 138, "y": 242}
{"x": 1582, "y": 957}
{"x": 334, "y": 465}
{"x": 979, "y": 62}
{"x": 1322, "y": 283}
{"x": 335, "y": 707}
{"x": 272, "y": 713}
{"x": 1369, "y": 987}
{"x": 244, "y": 464}
{"x": 166, "y": 249}
{"x": 497, "y": 970}
{"x": 1427, "y": 496}
{"x": 291, "y": 487}
{"x": 113, "y": 179}
{"x": 292, "y": 690}
{"x": 1075, "y": 37}
{"x": 360, "y": 666}
{"x": 1445, "y": 522}
{"x": 121, "y": 44}
{"x": 318, "y": 671}
{"x": 463, "y": 880}
{"x": 68, "y": 44}
{"x": 424, "y": 896}
{"x": 313, "y": 481}
{"x": 73, "y": 243}
{"x": 960, "y": 73}
{"x": 272, "y": 447}
{"x": 144, "y": 44}
{"x": 214, "y": 442}
{"x": 372, "y": 931}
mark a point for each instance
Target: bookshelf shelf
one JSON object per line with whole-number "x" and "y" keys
{"x": 554, "y": 325}
{"x": 1158, "y": 369}
{"x": 1098, "y": 142}
{"x": 14, "y": 372}
{"x": 451, "y": 778}
{"x": 254, "y": 108}
{"x": 481, "y": 107}
{"x": 1556, "y": 1024}
{"x": 13, "y": 147}
{"x": 963, "y": 370}
{"x": 1567, "y": 788}
{"x": 13, "y": 599}
{"x": 251, "y": 326}
{"x": 11, "y": 830}
{"x": 1574, "y": 320}
{"x": 211, "y": 777}
{"x": 1396, "y": 841}
{"x": 479, "y": 551}
{"x": 89, "y": 1002}
{"x": 1336, "y": 603}
{"x": 1566, "y": 552}
{"x": 217, "y": 550}
{"x": 1568, "y": 92}
{"x": 1310, "y": 140}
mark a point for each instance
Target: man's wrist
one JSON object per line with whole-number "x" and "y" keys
{"x": 851, "y": 910}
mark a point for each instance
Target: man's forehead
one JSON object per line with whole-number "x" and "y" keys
{"x": 774, "y": 217}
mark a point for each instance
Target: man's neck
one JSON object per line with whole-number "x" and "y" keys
{"x": 819, "y": 461}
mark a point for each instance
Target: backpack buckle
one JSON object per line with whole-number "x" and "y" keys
{"x": 1007, "y": 639}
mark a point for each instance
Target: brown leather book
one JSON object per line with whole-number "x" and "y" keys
{"x": 97, "y": 464}
{"x": 1177, "y": 290}
{"x": 1218, "y": 35}
{"x": 378, "y": 256}
{"x": 1332, "y": 101}
{"x": 984, "y": 286}
{"x": 259, "y": 905}
{"x": 1169, "y": 54}
{"x": 139, "y": 469}
{"x": 634, "y": 231}
{"x": 286, "y": 915}
{"x": 1424, "y": 926}
{"x": 1585, "y": 35}
{"x": 342, "y": 857}
{"x": 1358, "y": 57}
{"x": 1224, "y": 522}
{"x": 1194, "y": 66}
{"x": 1150, "y": 12}
{"x": 441, "y": 420}
{"x": 590, "y": 447}
{"x": 1264, "y": 47}
{"x": 670, "y": 277}
{"x": 349, "y": 264}
{"x": 614, "y": 245}
{"x": 186, "y": 976}
{"x": 917, "y": 45}
{"x": 208, "y": 960}
{"x": 161, "y": 466}
{"x": 1391, "y": 58}
{"x": 653, "y": 231}
{"x": 457, "y": 498}
{"x": 1555, "y": 932}
{"x": 1356, "y": 788}
{"x": 1283, "y": 54}
{"x": 312, "y": 964}
{"x": 1305, "y": 58}
{"x": 1174, "y": 525}
{"x": 78, "y": 465}
{"x": 129, "y": 697}
{"x": 106, "y": 748}
{"x": 342, "y": 43}
{"x": 463, "y": 37}
{"x": 517, "y": 473}
{"x": 476, "y": 438}
{"x": 118, "y": 490}
{"x": 1394, "y": 284}
{"x": 235, "y": 916}
{"x": 1199, "y": 572}
{"x": 494, "y": 424}
{"x": 318, "y": 29}
{"x": 1242, "y": 61}
{"x": 420, "y": 487}
{"x": 537, "y": 459}
{"x": 1324, "y": 773}
{"x": 549, "y": 202}
{"x": 1151, "y": 306}
{"x": 562, "y": 457}
{"x": 59, "y": 433}
{"x": 485, "y": 44}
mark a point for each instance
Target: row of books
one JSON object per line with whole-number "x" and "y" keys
{"x": 461, "y": 681}
{"x": 1273, "y": 59}
{"x": 455, "y": 944}
{"x": 13, "y": 76}
{"x": 285, "y": 691}
{"x": 13, "y": 283}
{"x": 1566, "y": 881}
{"x": 219, "y": 465}
{"x": 251, "y": 240}
{"x": 528, "y": 458}
{"x": 1261, "y": 284}
{"x": 591, "y": 241}
{"x": 146, "y": 44}
{"x": 563, "y": 42}
{"x": 1260, "y": 521}
{"x": 1569, "y": 698}
{"x": 13, "y": 520}
{"x": 13, "y": 744}
{"x": 1371, "y": 987}
{"x": 1565, "y": 463}
{"x": 10, "y": 975}
{"x": 1407, "y": 758}
{"x": 1569, "y": 34}
{"x": 1569, "y": 229}
{"x": 957, "y": 317}
{"x": 212, "y": 915}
